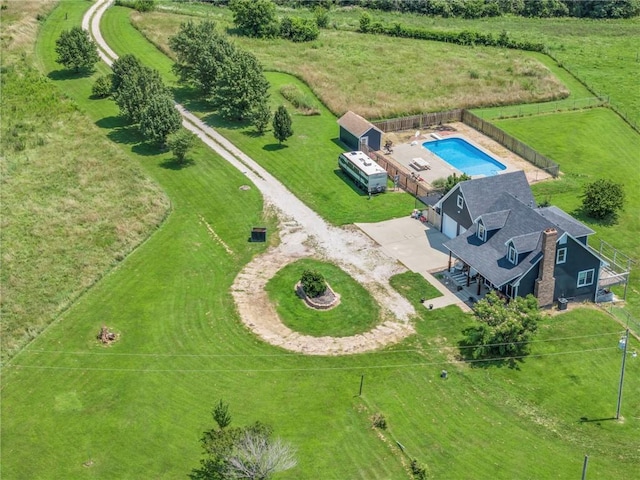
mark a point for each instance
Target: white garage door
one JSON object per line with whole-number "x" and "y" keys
{"x": 449, "y": 226}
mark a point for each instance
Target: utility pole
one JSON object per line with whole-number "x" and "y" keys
{"x": 624, "y": 360}
{"x": 584, "y": 467}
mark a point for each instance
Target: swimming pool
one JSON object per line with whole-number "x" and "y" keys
{"x": 460, "y": 154}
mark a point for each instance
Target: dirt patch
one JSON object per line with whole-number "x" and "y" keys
{"x": 357, "y": 255}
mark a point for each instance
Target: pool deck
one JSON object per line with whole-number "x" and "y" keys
{"x": 410, "y": 148}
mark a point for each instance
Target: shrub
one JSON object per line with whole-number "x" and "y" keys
{"x": 322, "y": 16}
{"x": 378, "y": 421}
{"x": 303, "y": 103}
{"x": 299, "y": 29}
{"x": 418, "y": 471}
{"x": 145, "y": 5}
{"x": 102, "y": 87}
{"x": 313, "y": 283}
{"x": 602, "y": 199}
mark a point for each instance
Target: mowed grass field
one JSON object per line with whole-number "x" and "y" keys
{"x": 137, "y": 409}
{"x": 590, "y": 145}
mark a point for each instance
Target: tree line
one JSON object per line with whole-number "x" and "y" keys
{"x": 480, "y": 8}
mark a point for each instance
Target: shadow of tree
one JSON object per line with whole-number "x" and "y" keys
{"x": 114, "y": 121}
{"x": 147, "y": 149}
{"x": 274, "y": 147}
{"x": 580, "y": 214}
{"x": 66, "y": 74}
{"x": 174, "y": 164}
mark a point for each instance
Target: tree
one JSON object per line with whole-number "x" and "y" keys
{"x": 450, "y": 182}
{"x": 241, "y": 452}
{"x": 503, "y": 329}
{"x": 282, "y": 124}
{"x": 255, "y": 18}
{"x": 603, "y": 199}
{"x": 159, "y": 118}
{"x": 102, "y": 87}
{"x": 221, "y": 414}
{"x": 134, "y": 86}
{"x": 241, "y": 86}
{"x": 313, "y": 283}
{"x": 201, "y": 52}
{"x": 261, "y": 117}
{"x": 256, "y": 456}
{"x": 180, "y": 143}
{"x": 76, "y": 50}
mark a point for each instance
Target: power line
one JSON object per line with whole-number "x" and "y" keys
{"x": 308, "y": 369}
{"x": 296, "y": 354}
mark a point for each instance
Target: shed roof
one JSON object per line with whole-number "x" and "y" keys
{"x": 355, "y": 124}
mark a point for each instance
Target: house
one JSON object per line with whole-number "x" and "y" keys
{"x": 518, "y": 249}
{"x": 469, "y": 199}
{"x": 355, "y": 132}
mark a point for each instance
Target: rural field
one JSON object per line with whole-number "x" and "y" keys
{"x": 72, "y": 408}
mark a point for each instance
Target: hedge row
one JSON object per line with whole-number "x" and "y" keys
{"x": 464, "y": 37}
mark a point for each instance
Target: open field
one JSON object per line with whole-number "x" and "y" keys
{"x": 136, "y": 409}
{"x": 380, "y": 76}
{"x": 608, "y": 62}
{"x": 73, "y": 205}
{"x": 590, "y": 145}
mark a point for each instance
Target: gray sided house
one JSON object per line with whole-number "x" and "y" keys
{"x": 468, "y": 200}
{"x": 355, "y": 132}
{"x": 518, "y": 249}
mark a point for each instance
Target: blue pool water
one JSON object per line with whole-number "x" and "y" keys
{"x": 462, "y": 155}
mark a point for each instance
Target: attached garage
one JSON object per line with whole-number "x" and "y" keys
{"x": 449, "y": 226}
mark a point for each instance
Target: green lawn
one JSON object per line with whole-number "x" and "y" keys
{"x": 590, "y": 145}
{"x": 136, "y": 409}
{"x": 356, "y": 313}
{"x": 307, "y": 163}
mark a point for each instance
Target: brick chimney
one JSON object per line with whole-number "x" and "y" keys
{"x": 546, "y": 282}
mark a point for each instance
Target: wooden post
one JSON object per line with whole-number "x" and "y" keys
{"x": 449, "y": 267}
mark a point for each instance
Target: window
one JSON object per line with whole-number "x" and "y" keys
{"x": 561, "y": 255}
{"x": 585, "y": 278}
{"x": 460, "y": 201}
{"x": 481, "y": 232}
{"x": 513, "y": 255}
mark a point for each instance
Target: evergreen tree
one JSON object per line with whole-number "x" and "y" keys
{"x": 282, "y": 124}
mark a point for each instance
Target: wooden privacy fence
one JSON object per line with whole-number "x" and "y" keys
{"x": 511, "y": 143}
{"x": 477, "y": 123}
{"x": 419, "y": 121}
{"x": 406, "y": 182}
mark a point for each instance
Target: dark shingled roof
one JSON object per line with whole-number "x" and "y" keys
{"x": 523, "y": 226}
{"x": 565, "y": 221}
{"x": 493, "y": 220}
{"x": 355, "y": 124}
{"x": 478, "y": 191}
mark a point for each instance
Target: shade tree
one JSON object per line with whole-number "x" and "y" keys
{"x": 75, "y": 50}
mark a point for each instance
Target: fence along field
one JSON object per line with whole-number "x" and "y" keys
{"x": 462, "y": 115}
